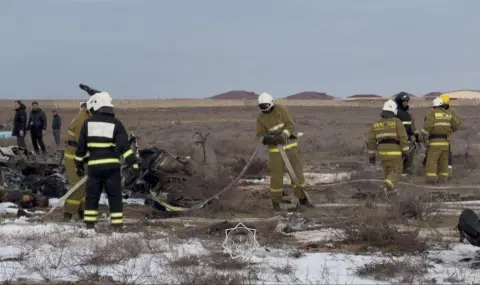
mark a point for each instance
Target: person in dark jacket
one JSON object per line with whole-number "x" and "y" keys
{"x": 37, "y": 123}
{"x": 403, "y": 113}
{"x": 20, "y": 123}
{"x": 56, "y": 126}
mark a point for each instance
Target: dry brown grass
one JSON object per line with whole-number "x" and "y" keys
{"x": 376, "y": 229}
{"x": 401, "y": 271}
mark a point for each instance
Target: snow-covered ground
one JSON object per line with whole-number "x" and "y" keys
{"x": 44, "y": 252}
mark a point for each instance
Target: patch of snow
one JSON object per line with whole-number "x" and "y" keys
{"x": 62, "y": 252}
{"x": 311, "y": 178}
{"x": 316, "y": 235}
{"x": 8, "y": 208}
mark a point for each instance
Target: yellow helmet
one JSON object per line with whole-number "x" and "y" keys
{"x": 445, "y": 99}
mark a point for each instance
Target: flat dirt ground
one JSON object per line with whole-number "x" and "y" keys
{"x": 333, "y": 141}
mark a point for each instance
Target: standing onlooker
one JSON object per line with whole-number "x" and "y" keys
{"x": 20, "y": 123}
{"x": 56, "y": 126}
{"x": 37, "y": 122}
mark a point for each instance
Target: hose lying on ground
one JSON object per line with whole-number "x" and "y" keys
{"x": 315, "y": 187}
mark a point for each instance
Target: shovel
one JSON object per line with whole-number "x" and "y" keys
{"x": 289, "y": 167}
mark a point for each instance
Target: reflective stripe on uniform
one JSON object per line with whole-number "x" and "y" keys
{"x": 443, "y": 174}
{"x": 406, "y": 148}
{"x": 372, "y": 151}
{"x": 390, "y": 152}
{"x": 71, "y": 133}
{"x": 288, "y": 146}
{"x": 277, "y": 127}
{"x": 432, "y": 174}
{"x": 127, "y": 153}
{"x": 68, "y": 155}
{"x": 103, "y": 161}
{"x": 424, "y": 131}
{"x": 100, "y": 145}
{"x": 438, "y": 143}
{"x": 386, "y": 135}
{"x": 295, "y": 186}
{"x": 389, "y": 182}
{"x": 78, "y": 158}
{"x": 135, "y": 166}
{"x": 287, "y": 132}
{"x": 407, "y": 122}
{"x": 73, "y": 202}
{"x": 90, "y": 218}
{"x": 117, "y": 221}
{"x": 116, "y": 215}
{"x": 276, "y": 190}
{"x": 444, "y": 124}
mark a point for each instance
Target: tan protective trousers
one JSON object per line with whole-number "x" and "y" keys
{"x": 392, "y": 169}
{"x": 74, "y": 202}
{"x": 437, "y": 164}
{"x": 277, "y": 170}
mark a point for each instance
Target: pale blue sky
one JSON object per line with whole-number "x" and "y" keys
{"x": 195, "y": 49}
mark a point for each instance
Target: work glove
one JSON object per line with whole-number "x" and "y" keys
{"x": 372, "y": 159}
{"x": 79, "y": 170}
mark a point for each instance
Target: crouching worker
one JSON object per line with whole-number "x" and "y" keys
{"x": 105, "y": 139}
{"x": 275, "y": 127}
{"x": 439, "y": 125}
{"x": 389, "y": 138}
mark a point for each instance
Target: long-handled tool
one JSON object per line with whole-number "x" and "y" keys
{"x": 62, "y": 199}
{"x": 289, "y": 167}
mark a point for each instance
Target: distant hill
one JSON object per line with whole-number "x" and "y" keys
{"x": 236, "y": 95}
{"x": 310, "y": 95}
{"x": 432, "y": 95}
{"x": 365, "y": 96}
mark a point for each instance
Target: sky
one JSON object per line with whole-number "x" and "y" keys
{"x": 196, "y": 49}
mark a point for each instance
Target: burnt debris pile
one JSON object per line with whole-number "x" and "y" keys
{"x": 29, "y": 180}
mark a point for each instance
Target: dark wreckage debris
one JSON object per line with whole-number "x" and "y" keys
{"x": 29, "y": 181}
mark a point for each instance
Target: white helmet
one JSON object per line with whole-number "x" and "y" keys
{"x": 265, "y": 102}
{"x": 391, "y": 106}
{"x": 99, "y": 100}
{"x": 437, "y": 102}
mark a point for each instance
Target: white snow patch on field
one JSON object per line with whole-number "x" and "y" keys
{"x": 41, "y": 252}
{"x": 311, "y": 178}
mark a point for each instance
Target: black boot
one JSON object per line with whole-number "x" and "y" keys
{"x": 80, "y": 215}
{"x": 304, "y": 202}
{"x": 276, "y": 206}
{"x": 90, "y": 225}
{"x": 67, "y": 217}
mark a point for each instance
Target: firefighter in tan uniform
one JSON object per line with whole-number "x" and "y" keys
{"x": 438, "y": 127}
{"x": 275, "y": 127}
{"x": 389, "y": 138}
{"x": 74, "y": 203}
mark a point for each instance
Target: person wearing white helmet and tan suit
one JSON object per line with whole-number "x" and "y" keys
{"x": 275, "y": 127}
{"x": 438, "y": 127}
{"x": 389, "y": 138}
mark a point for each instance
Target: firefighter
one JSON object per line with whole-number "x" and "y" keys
{"x": 402, "y": 99}
{"x": 439, "y": 125}
{"x": 274, "y": 127}
{"x": 74, "y": 202}
{"x": 389, "y": 138}
{"x": 105, "y": 139}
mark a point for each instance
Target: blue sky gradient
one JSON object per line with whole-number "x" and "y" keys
{"x": 195, "y": 49}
